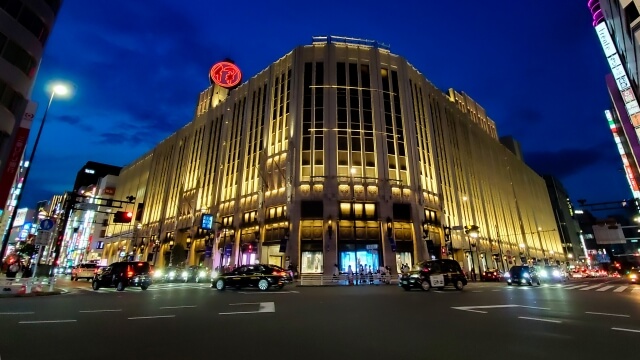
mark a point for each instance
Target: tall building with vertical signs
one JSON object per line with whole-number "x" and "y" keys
{"x": 339, "y": 153}
{"x": 617, "y": 25}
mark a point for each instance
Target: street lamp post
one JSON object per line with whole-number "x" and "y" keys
{"x": 57, "y": 89}
{"x": 472, "y": 233}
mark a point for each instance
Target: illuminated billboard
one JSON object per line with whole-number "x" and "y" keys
{"x": 225, "y": 74}
{"x": 633, "y": 183}
{"x": 21, "y": 216}
{"x": 620, "y": 75}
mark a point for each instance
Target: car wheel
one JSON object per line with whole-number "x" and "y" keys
{"x": 220, "y": 285}
{"x": 263, "y": 285}
{"x": 74, "y": 278}
{"x": 120, "y": 286}
{"x": 458, "y": 285}
{"x": 425, "y": 285}
{"x": 95, "y": 285}
{"x": 144, "y": 287}
{"x": 538, "y": 282}
{"x": 530, "y": 283}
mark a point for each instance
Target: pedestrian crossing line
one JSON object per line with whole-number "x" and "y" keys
{"x": 605, "y": 288}
{"x": 590, "y": 287}
{"x": 620, "y": 289}
{"x": 636, "y": 290}
{"x": 574, "y": 287}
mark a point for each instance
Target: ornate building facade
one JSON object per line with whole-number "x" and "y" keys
{"x": 339, "y": 153}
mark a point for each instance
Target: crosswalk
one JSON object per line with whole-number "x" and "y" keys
{"x": 154, "y": 287}
{"x": 618, "y": 288}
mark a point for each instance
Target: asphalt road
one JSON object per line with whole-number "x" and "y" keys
{"x": 192, "y": 321}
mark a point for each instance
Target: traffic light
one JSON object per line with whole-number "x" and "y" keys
{"x": 122, "y": 217}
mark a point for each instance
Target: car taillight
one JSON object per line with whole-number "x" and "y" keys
{"x": 129, "y": 273}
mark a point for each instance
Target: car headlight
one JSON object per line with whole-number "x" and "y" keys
{"x": 214, "y": 274}
{"x": 633, "y": 276}
{"x": 543, "y": 273}
{"x": 527, "y": 275}
{"x": 172, "y": 274}
{"x": 507, "y": 275}
{"x": 556, "y": 273}
{"x": 185, "y": 274}
{"x": 202, "y": 274}
{"x": 157, "y": 274}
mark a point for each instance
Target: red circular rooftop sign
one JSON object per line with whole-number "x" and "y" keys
{"x": 225, "y": 74}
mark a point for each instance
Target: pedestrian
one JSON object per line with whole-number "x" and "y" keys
{"x": 336, "y": 273}
{"x": 350, "y": 275}
{"x": 13, "y": 270}
{"x": 473, "y": 274}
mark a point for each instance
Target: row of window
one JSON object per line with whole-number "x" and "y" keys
{"x": 17, "y": 56}
{"x": 10, "y": 98}
{"x": 29, "y": 19}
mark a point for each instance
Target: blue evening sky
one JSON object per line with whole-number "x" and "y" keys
{"x": 138, "y": 67}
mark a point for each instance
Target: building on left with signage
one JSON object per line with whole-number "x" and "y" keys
{"x": 25, "y": 27}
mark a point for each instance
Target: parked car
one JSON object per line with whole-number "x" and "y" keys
{"x": 261, "y": 276}
{"x": 84, "y": 271}
{"x": 519, "y": 275}
{"x": 434, "y": 273}
{"x": 122, "y": 275}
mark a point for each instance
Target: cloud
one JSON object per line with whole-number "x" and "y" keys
{"x": 566, "y": 162}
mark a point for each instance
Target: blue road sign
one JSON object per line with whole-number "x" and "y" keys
{"x": 46, "y": 224}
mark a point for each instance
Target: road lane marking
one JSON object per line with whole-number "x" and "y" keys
{"x": 605, "y": 288}
{"x": 267, "y": 292}
{"x": 620, "y": 289}
{"x": 470, "y": 308}
{"x": 622, "y": 329}
{"x": 178, "y": 307}
{"x": 150, "y": 317}
{"x": 265, "y": 307}
{"x": 46, "y": 321}
{"x": 538, "y": 319}
{"x": 635, "y": 290}
{"x": 244, "y": 304}
{"x": 590, "y": 287}
{"x": 606, "y": 314}
{"x": 574, "y": 287}
{"x": 97, "y": 311}
{"x": 18, "y": 313}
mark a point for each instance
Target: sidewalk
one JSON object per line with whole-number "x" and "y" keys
{"x": 27, "y": 287}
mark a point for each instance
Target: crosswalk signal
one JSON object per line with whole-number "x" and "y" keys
{"x": 122, "y": 217}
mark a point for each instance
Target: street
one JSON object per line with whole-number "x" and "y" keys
{"x": 588, "y": 318}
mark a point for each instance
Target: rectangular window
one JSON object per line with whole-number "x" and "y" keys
{"x": 311, "y": 262}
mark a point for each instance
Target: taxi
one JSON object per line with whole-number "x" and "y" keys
{"x": 434, "y": 273}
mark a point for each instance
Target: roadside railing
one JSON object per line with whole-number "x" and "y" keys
{"x": 20, "y": 286}
{"x": 343, "y": 280}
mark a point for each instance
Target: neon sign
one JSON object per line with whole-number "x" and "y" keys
{"x": 225, "y": 74}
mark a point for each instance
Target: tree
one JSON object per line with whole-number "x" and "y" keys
{"x": 178, "y": 254}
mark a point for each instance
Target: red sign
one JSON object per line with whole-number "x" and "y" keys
{"x": 13, "y": 161}
{"x": 225, "y": 74}
{"x": 109, "y": 191}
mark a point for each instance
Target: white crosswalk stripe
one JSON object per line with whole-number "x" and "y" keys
{"x": 590, "y": 287}
{"x": 620, "y": 289}
{"x": 636, "y": 290}
{"x": 574, "y": 287}
{"x": 605, "y": 288}
{"x": 153, "y": 287}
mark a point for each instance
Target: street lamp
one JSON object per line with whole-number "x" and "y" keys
{"x": 472, "y": 232}
{"x": 57, "y": 89}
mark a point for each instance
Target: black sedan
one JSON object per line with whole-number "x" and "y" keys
{"x": 259, "y": 275}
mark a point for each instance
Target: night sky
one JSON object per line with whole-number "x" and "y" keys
{"x": 138, "y": 66}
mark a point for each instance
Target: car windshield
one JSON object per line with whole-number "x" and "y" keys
{"x": 518, "y": 270}
{"x": 89, "y": 266}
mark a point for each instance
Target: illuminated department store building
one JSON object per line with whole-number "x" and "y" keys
{"x": 340, "y": 152}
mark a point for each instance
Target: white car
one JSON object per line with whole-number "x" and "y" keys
{"x": 83, "y": 271}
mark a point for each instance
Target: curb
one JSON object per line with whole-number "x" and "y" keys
{"x": 44, "y": 293}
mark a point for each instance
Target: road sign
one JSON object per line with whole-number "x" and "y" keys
{"x": 43, "y": 237}
{"x": 46, "y": 224}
